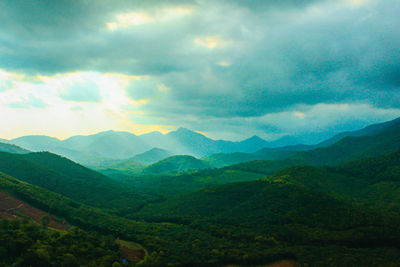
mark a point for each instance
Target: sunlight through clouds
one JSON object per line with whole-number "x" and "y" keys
{"x": 210, "y": 42}
{"x": 224, "y": 64}
{"x": 130, "y": 19}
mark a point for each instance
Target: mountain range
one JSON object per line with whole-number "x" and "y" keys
{"x": 96, "y": 149}
{"x": 123, "y": 145}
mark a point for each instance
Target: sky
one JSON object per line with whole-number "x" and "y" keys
{"x": 229, "y": 69}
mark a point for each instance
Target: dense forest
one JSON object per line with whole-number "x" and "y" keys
{"x": 25, "y": 244}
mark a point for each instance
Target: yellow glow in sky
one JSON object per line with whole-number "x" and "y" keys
{"x": 136, "y": 18}
{"x": 210, "y": 42}
{"x": 356, "y": 3}
{"x": 299, "y": 115}
{"x": 224, "y": 63}
{"x": 128, "y": 19}
{"x": 62, "y": 119}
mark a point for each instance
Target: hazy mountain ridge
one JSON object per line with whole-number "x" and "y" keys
{"x": 152, "y": 156}
{"x": 123, "y": 145}
{"x": 273, "y": 159}
{"x": 4, "y": 147}
{"x": 106, "y": 147}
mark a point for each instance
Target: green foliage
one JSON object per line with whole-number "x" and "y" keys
{"x": 225, "y": 159}
{"x": 121, "y": 167}
{"x": 175, "y": 164}
{"x": 184, "y": 182}
{"x": 25, "y": 244}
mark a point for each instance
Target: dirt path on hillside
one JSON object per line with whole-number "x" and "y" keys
{"x": 13, "y": 208}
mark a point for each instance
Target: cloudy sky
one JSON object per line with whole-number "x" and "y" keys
{"x": 230, "y": 69}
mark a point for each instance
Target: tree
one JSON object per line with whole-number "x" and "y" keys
{"x": 45, "y": 221}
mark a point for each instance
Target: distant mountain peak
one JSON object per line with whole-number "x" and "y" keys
{"x": 255, "y": 138}
{"x": 183, "y": 129}
{"x": 186, "y": 131}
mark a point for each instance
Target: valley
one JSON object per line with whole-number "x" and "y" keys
{"x": 273, "y": 207}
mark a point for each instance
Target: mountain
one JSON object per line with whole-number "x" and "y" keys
{"x": 370, "y": 130}
{"x": 225, "y": 159}
{"x": 371, "y": 141}
{"x": 36, "y": 142}
{"x": 184, "y": 141}
{"x": 110, "y": 144}
{"x": 12, "y": 149}
{"x": 88, "y": 150}
{"x": 132, "y": 166}
{"x": 345, "y": 150}
{"x": 175, "y": 164}
{"x": 151, "y": 156}
{"x": 354, "y": 147}
{"x": 251, "y": 144}
{"x": 119, "y": 168}
{"x": 65, "y": 177}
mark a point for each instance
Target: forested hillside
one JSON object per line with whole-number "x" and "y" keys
{"x": 249, "y": 222}
{"x": 63, "y": 176}
{"x": 177, "y": 163}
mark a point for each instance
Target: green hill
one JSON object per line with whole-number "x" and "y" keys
{"x": 373, "y": 181}
{"x": 63, "y": 176}
{"x": 226, "y": 159}
{"x": 119, "y": 168}
{"x": 132, "y": 166}
{"x": 352, "y": 148}
{"x": 12, "y": 149}
{"x": 167, "y": 184}
{"x": 365, "y": 181}
{"x": 152, "y": 156}
{"x": 176, "y": 164}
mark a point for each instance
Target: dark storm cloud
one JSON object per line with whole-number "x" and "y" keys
{"x": 306, "y": 57}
